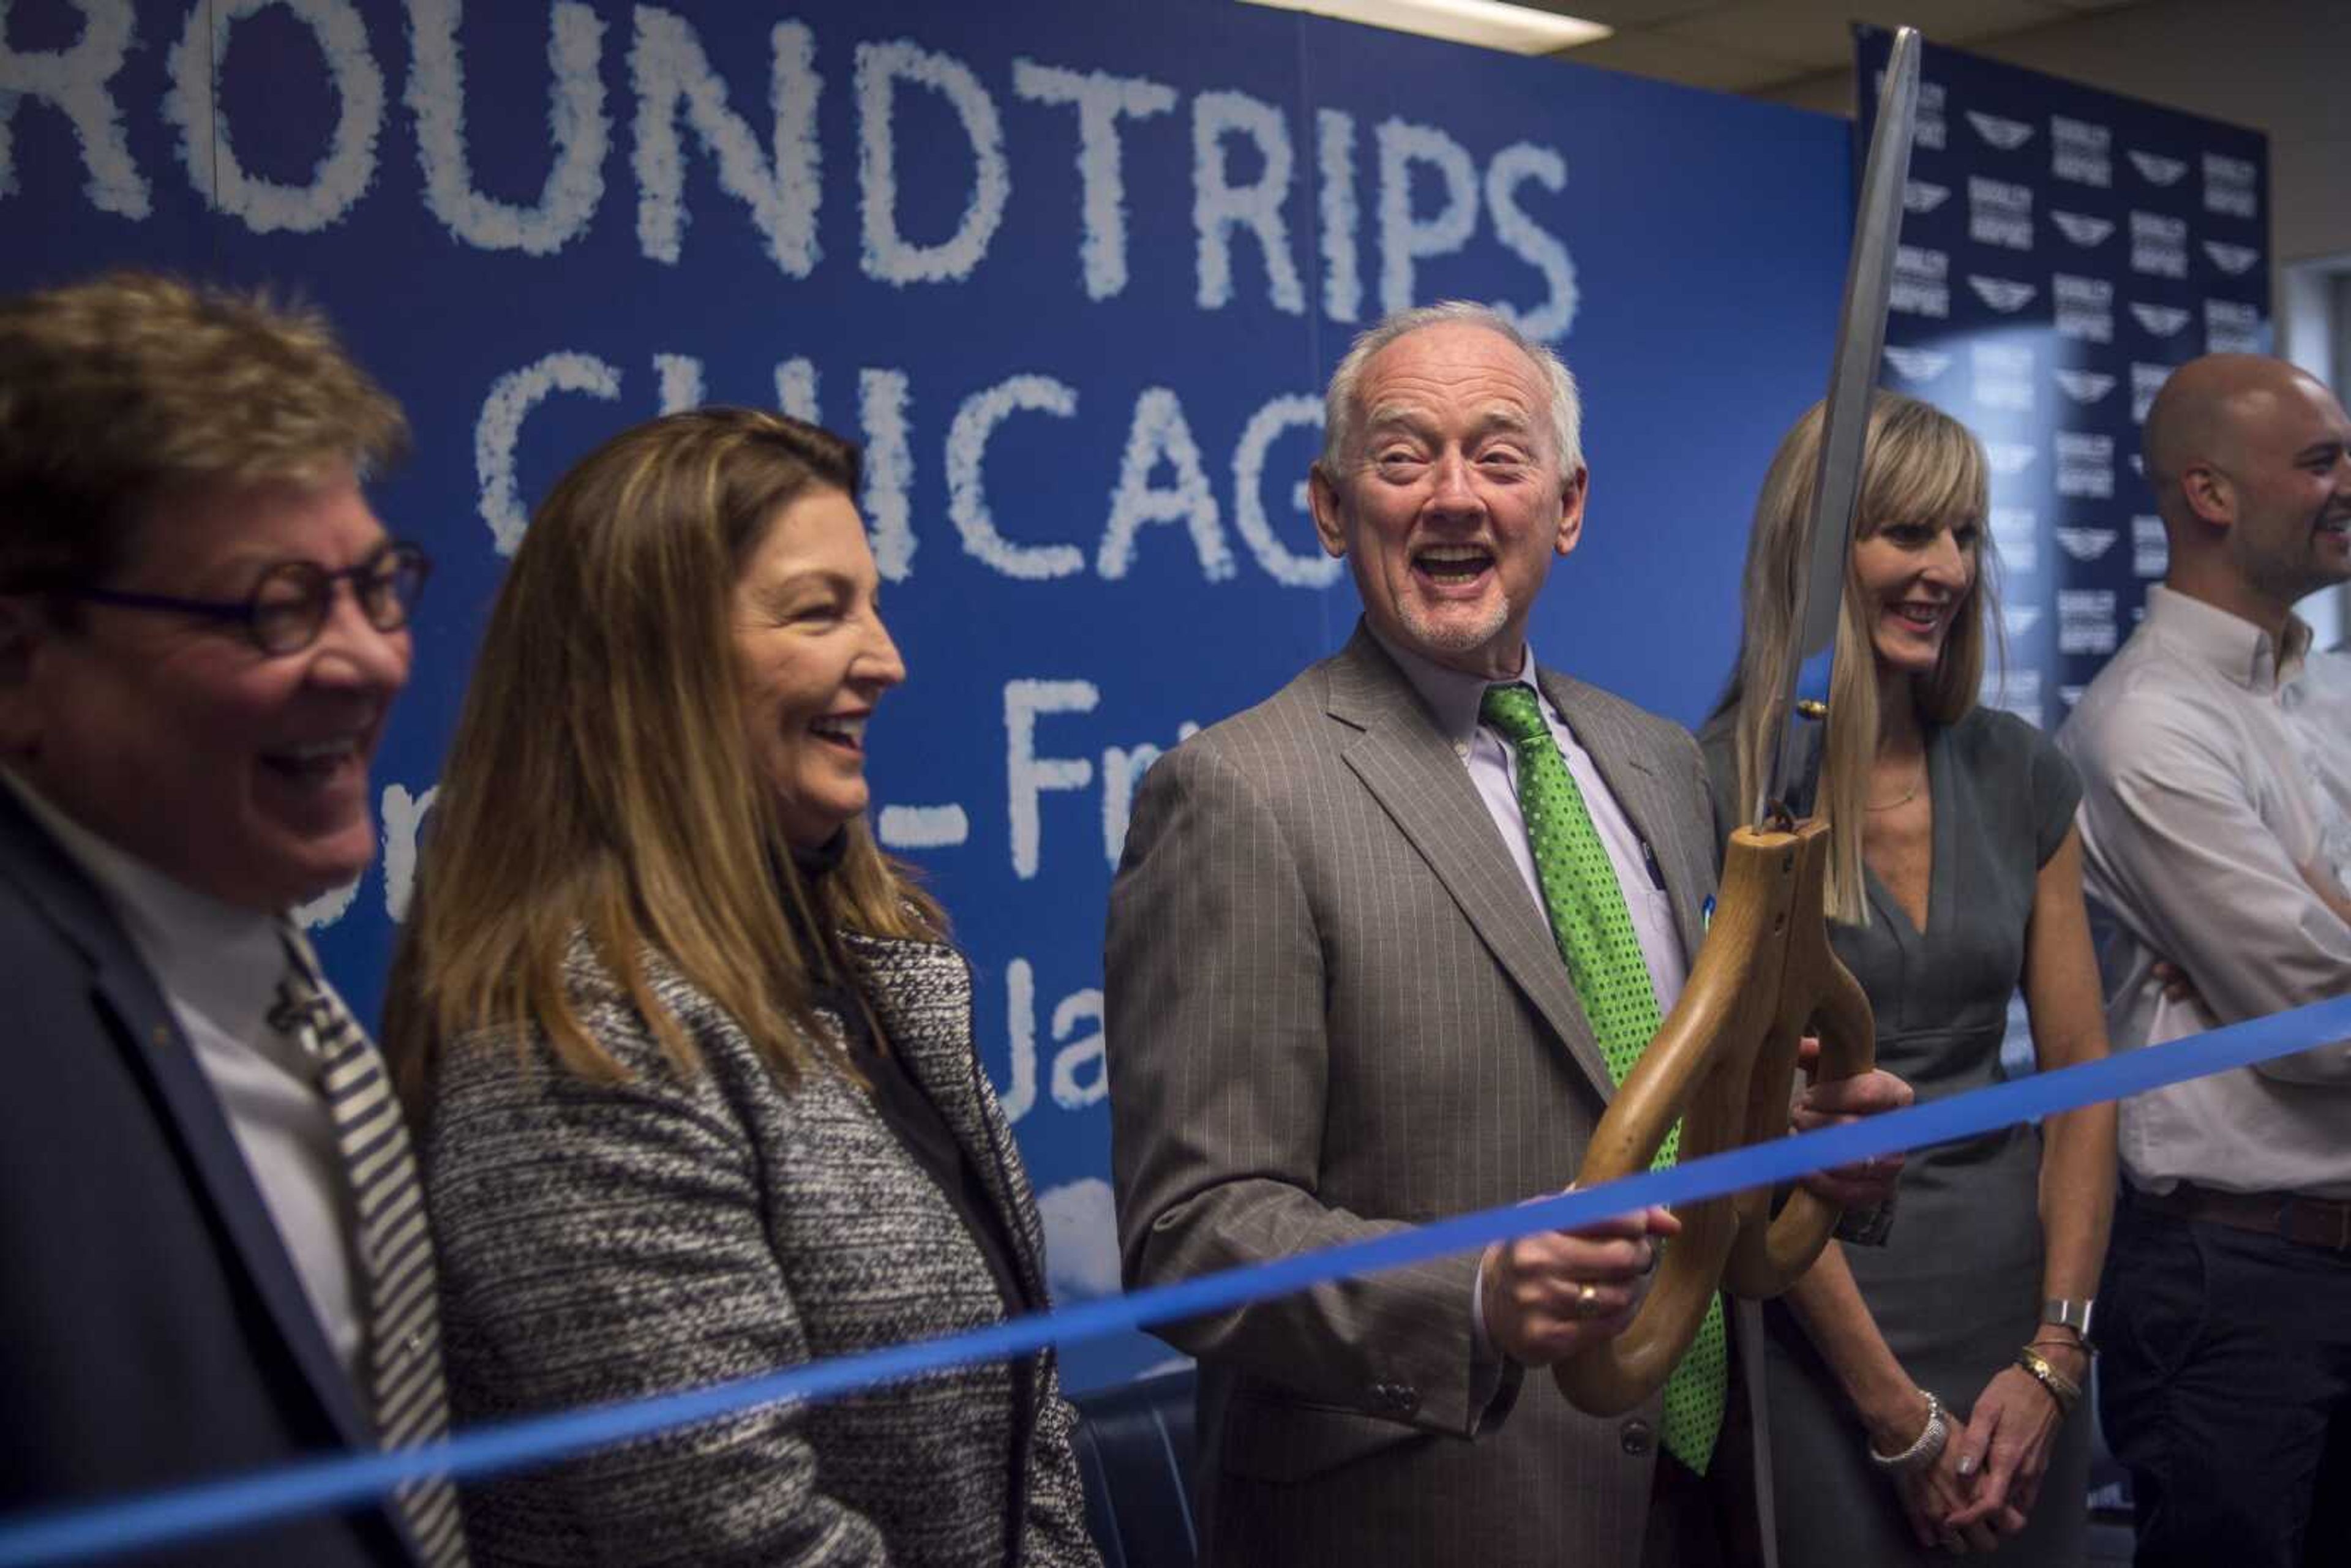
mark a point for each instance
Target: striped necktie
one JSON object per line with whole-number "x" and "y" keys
{"x": 393, "y": 1246}
{"x": 1595, "y": 936}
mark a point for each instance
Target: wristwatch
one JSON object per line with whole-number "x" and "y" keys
{"x": 2070, "y": 1314}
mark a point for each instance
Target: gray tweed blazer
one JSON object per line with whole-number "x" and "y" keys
{"x": 1334, "y": 1010}
{"x": 599, "y": 1242}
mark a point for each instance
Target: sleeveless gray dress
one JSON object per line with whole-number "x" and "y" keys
{"x": 1957, "y": 1287}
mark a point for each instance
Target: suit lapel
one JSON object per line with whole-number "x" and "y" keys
{"x": 1421, "y": 784}
{"x": 1631, "y": 776}
{"x": 921, "y": 992}
{"x": 161, "y": 1056}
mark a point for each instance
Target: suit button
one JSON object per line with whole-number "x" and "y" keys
{"x": 1638, "y": 1439}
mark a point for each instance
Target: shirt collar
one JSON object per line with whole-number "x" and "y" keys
{"x": 221, "y": 960}
{"x": 1452, "y": 696}
{"x": 2230, "y": 645}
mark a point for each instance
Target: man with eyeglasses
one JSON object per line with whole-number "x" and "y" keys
{"x": 215, "y": 1252}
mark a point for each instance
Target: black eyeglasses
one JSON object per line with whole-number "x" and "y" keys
{"x": 289, "y": 605}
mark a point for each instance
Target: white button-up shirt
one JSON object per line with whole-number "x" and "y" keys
{"x": 1454, "y": 698}
{"x": 2216, "y": 772}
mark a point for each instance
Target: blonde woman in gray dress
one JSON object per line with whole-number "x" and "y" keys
{"x": 1923, "y": 1393}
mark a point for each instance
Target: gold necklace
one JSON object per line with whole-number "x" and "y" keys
{"x": 1913, "y": 795}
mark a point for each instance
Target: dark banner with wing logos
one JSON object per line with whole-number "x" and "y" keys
{"x": 2062, "y": 250}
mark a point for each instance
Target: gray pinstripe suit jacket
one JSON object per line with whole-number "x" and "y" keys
{"x": 1334, "y": 1010}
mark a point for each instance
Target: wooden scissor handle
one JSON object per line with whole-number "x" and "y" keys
{"x": 1724, "y": 1066}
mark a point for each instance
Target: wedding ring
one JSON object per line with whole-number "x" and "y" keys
{"x": 1587, "y": 1301}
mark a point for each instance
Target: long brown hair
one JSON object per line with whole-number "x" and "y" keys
{"x": 601, "y": 782}
{"x": 1919, "y": 466}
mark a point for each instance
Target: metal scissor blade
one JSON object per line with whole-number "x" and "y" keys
{"x": 1861, "y": 340}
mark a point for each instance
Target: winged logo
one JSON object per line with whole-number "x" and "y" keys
{"x": 2085, "y": 386}
{"x": 1920, "y": 196}
{"x": 2162, "y": 320}
{"x": 2158, "y": 170}
{"x": 2005, "y": 295}
{"x": 1916, "y": 364}
{"x": 2232, "y": 259}
{"x": 2088, "y": 544}
{"x": 2080, "y": 227}
{"x": 2008, "y": 135}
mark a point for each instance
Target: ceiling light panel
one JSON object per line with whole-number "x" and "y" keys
{"x": 1490, "y": 23}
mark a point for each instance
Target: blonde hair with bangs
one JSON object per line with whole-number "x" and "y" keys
{"x": 600, "y": 781}
{"x": 1919, "y": 466}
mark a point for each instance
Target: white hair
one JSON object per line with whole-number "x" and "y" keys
{"x": 1342, "y": 415}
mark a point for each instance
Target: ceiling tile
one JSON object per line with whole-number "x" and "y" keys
{"x": 1803, "y": 35}
{"x": 1961, "y": 21}
{"x": 1765, "y": 46}
{"x": 1817, "y": 35}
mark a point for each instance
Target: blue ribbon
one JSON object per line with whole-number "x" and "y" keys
{"x": 183, "y": 1513}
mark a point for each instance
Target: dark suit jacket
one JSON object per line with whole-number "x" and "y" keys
{"x": 153, "y": 1331}
{"x": 1334, "y": 1010}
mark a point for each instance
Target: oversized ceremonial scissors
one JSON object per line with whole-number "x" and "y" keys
{"x": 1724, "y": 1063}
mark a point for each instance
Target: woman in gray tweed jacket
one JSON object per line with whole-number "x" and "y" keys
{"x": 694, "y": 1059}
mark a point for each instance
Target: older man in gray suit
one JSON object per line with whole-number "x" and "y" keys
{"x": 1344, "y": 997}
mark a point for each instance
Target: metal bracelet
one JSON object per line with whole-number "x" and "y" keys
{"x": 2062, "y": 1388}
{"x": 2069, "y": 1313}
{"x": 2087, "y": 1347}
{"x": 1926, "y": 1448}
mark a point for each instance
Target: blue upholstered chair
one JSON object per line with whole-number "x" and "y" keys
{"x": 1135, "y": 1452}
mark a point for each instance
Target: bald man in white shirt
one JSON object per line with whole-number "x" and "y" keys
{"x": 2215, "y": 755}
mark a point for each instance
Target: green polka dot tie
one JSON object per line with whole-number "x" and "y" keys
{"x": 1595, "y": 936}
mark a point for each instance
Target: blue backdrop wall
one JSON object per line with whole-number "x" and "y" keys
{"x": 1075, "y": 272}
